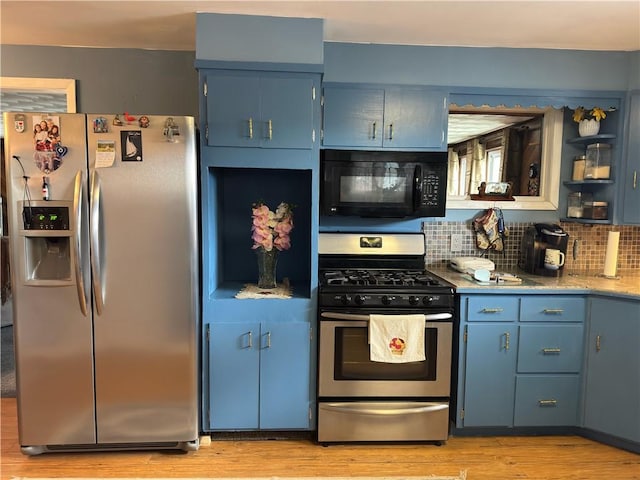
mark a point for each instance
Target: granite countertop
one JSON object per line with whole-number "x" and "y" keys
{"x": 627, "y": 283}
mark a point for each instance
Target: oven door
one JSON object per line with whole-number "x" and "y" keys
{"x": 346, "y": 371}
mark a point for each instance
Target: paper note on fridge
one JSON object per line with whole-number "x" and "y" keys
{"x": 105, "y": 153}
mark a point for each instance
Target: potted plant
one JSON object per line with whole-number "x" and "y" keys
{"x": 588, "y": 120}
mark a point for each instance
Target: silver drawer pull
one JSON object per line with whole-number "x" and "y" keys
{"x": 547, "y": 403}
{"x": 492, "y": 310}
{"x": 550, "y": 351}
{"x": 553, "y": 311}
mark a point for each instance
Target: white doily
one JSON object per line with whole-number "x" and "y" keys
{"x": 251, "y": 290}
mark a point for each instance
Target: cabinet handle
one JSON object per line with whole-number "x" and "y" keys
{"x": 250, "y": 340}
{"x": 491, "y": 310}
{"x": 597, "y": 343}
{"x": 547, "y": 403}
{"x": 553, "y": 311}
{"x": 270, "y": 126}
{"x": 250, "y": 127}
{"x": 268, "y": 339}
{"x": 635, "y": 179}
{"x": 374, "y": 131}
{"x": 550, "y": 351}
{"x": 507, "y": 338}
{"x": 391, "y": 132}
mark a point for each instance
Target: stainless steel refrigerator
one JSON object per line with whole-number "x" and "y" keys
{"x": 104, "y": 262}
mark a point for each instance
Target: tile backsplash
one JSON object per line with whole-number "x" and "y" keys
{"x": 591, "y": 248}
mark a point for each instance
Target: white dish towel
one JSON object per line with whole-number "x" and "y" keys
{"x": 396, "y": 338}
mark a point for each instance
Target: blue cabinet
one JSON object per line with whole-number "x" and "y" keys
{"x": 520, "y": 360}
{"x": 233, "y": 392}
{"x": 258, "y": 143}
{"x": 612, "y": 383}
{"x": 261, "y": 110}
{"x": 384, "y": 117}
{"x": 631, "y": 179}
{"x": 258, "y": 376}
{"x": 491, "y": 353}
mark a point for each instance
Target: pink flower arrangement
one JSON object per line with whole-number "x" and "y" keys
{"x": 271, "y": 229}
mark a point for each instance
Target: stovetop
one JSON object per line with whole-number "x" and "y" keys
{"x": 378, "y": 271}
{"x": 384, "y": 289}
{"x": 386, "y": 278}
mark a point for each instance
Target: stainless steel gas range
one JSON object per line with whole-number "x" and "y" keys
{"x": 363, "y": 400}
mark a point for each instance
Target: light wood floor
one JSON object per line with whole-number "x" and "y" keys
{"x": 486, "y": 458}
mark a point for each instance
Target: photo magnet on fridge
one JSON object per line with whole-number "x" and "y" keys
{"x": 131, "y": 145}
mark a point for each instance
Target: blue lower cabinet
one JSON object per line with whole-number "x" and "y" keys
{"x": 491, "y": 353}
{"x": 259, "y": 375}
{"x": 612, "y": 386}
{"x": 546, "y": 400}
{"x": 284, "y": 376}
{"x": 520, "y": 360}
{"x": 234, "y": 375}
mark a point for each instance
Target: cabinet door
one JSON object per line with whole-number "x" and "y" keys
{"x": 490, "y": 366}
{"x": 631, "y": 181}
{"x": 612, "y": 393}
{"x": 233, "y": 375}
{"x": 353, "y": 117}
{"x": 414, "y": 119}
{"x": 287, "y": 113}
{"x": 284, "y": 375}
{"x": 233, "y": 111}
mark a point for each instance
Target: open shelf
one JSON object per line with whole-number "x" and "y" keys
{"x": 231, "y": 260}
{"x": 586, "y": 220}
{"x": 581, "y": 183}
{"x": 600, "y": 138}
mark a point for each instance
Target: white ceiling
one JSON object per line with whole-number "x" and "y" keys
{"x": 170, "y": 25}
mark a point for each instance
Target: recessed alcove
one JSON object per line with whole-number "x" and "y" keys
{"x": 233, "y": 191}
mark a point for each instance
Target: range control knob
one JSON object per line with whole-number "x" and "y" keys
{"x": 345, "y": 299}
{"x": 358, "y": 299}
{"x": 414, "y": 300}
{"x": 385, "y": 300}
{"x": 427, "y": 300}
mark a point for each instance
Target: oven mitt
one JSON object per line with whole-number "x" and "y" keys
{"x": 490, "y": 230}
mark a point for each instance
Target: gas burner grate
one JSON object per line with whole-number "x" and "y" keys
{"x": 401, "y": 278}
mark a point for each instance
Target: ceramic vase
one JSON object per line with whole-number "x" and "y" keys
{"x": 267, "y": 261}
{"x": 587, "y": 128}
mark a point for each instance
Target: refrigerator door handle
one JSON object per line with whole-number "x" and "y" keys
{"x": 96, "y": 252}
{"x": 77, "y": 210}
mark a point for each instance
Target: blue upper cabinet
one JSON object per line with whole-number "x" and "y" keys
{"x": 259, "y": 109}
{"x": 631, "y": 179}
{"x": 378, "y": 117}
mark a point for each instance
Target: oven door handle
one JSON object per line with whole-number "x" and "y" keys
{"x": 358, "y": 408}
{"x": 352, "y": 316}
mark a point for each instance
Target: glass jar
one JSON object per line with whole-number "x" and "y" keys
{"x": 596, "y": 210}
{"x": 598, "y": 161}
{"x": 575, "y": 203}
{"x": 578, "y": 168}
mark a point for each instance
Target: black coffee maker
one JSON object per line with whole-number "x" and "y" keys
{"x": 543, "y": 251}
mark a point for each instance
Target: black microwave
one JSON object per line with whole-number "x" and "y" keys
{"x": 383, "y": 184}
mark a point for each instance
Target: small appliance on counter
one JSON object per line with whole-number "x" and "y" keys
{"x": 543, "y": 250}
{"x": 471, "y": 264}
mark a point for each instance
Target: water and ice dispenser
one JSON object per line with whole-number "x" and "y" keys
{"x": 48, "y": 243}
